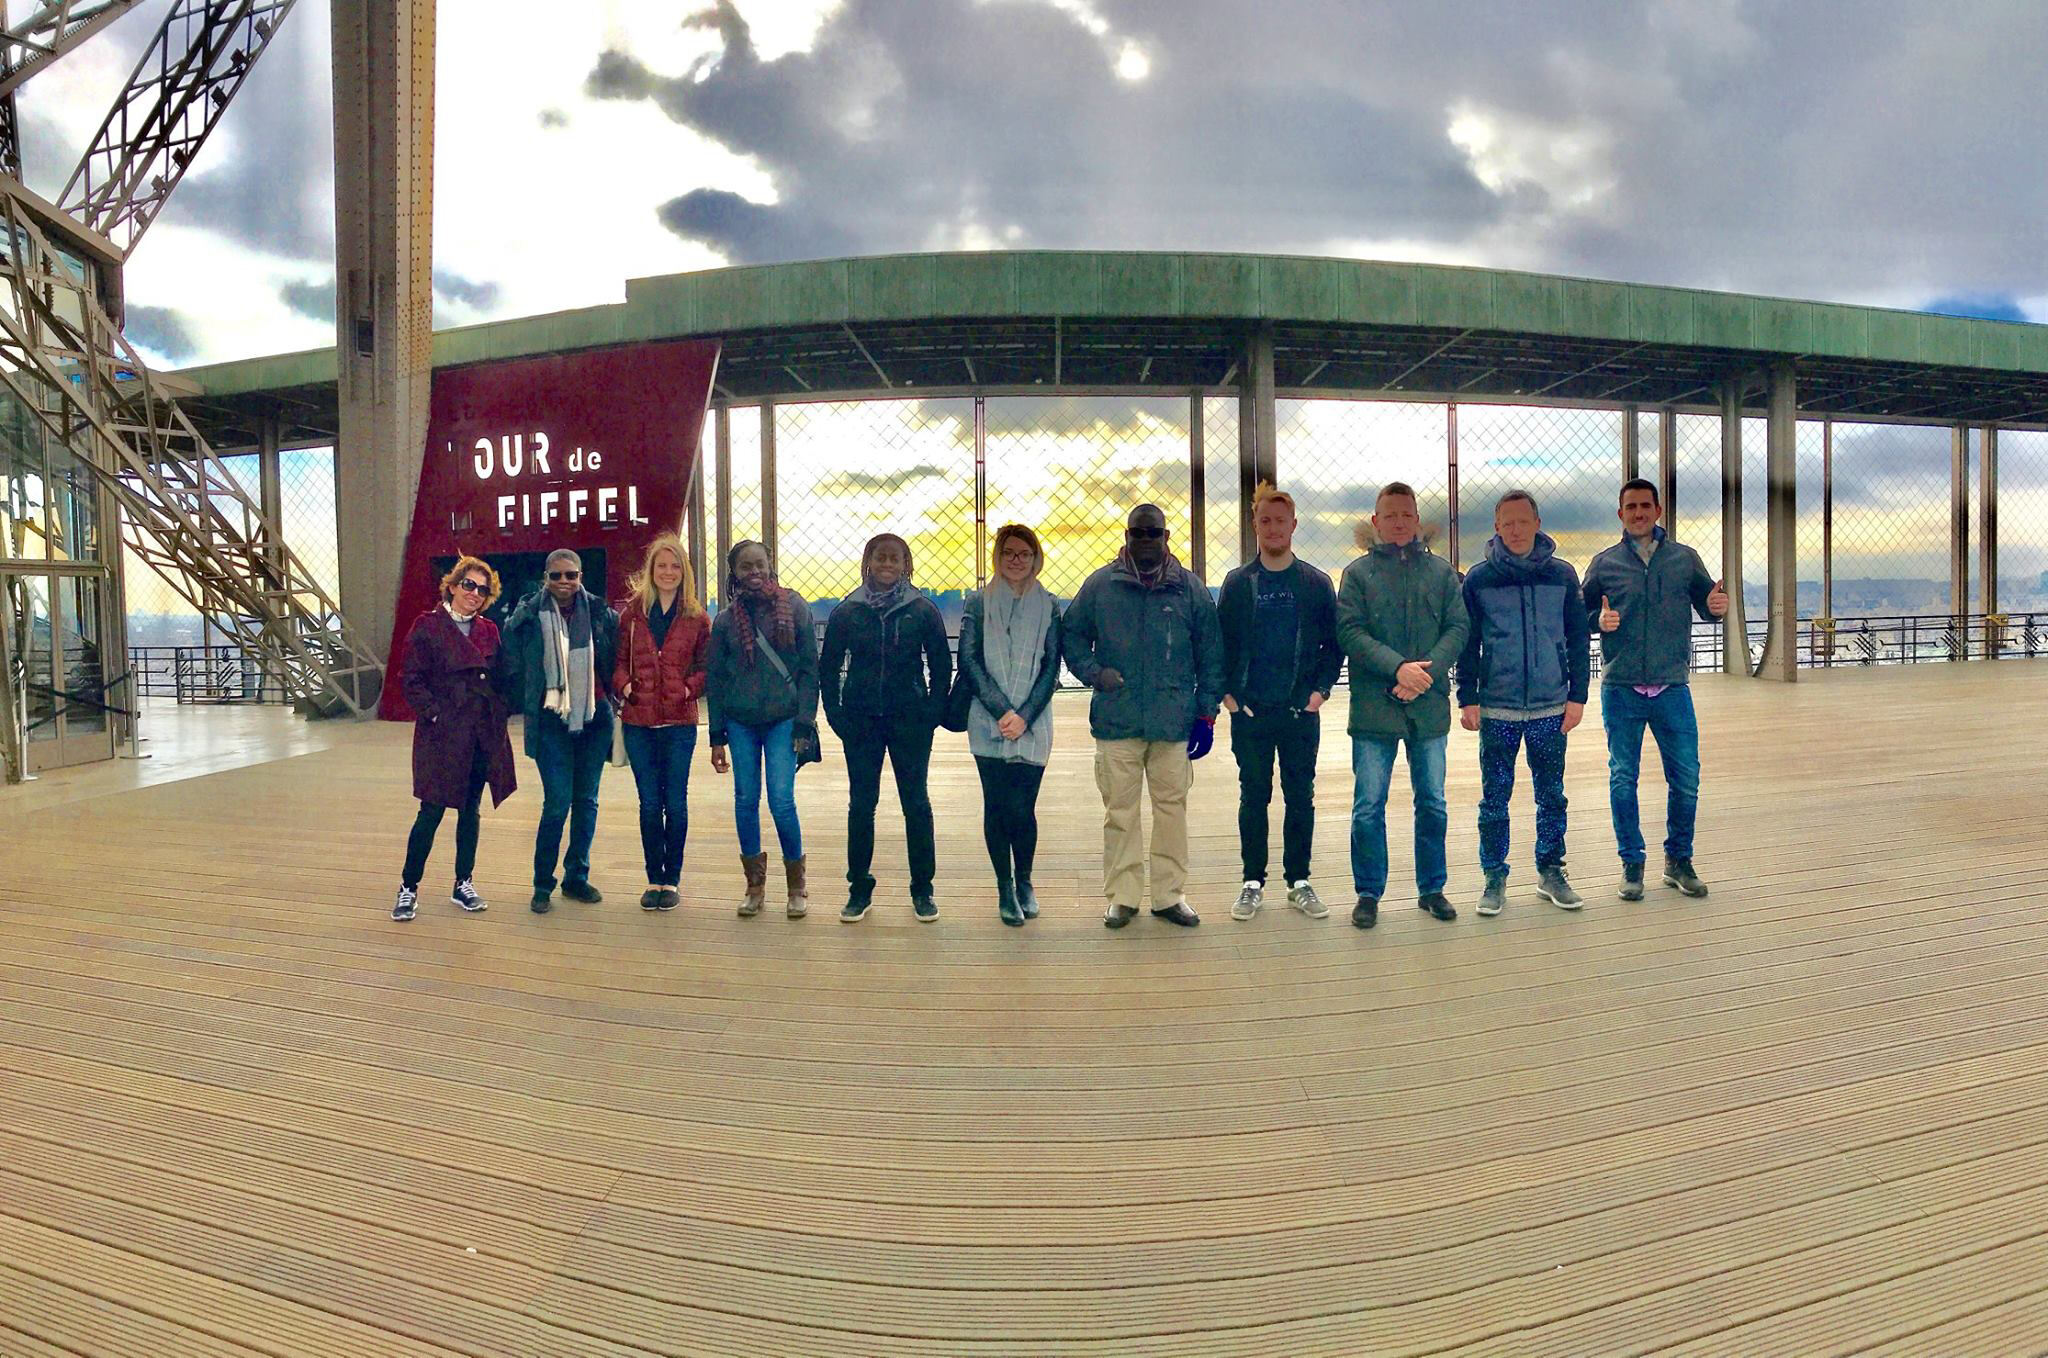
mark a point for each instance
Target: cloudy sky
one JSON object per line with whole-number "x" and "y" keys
{"x": 1857, "y": 150}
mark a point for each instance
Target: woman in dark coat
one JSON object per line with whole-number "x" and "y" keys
{"x": 459, "y": 743}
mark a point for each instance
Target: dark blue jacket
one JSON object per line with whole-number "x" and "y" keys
{"x": 1657, "y": 602}
{"x": 1528, "y": 648}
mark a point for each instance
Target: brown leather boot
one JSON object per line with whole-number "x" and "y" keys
{"x": 799, "y": 896}
{"x": 755, "y": 865}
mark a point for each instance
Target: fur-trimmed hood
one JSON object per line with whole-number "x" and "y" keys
{"x": 1366, "y": 537}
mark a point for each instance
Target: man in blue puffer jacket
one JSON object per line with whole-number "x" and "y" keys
{"x": 1522, "y": 685}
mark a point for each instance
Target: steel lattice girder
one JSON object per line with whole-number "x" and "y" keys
{"x": 51, "y": 30}
{"x": 183, "y": 513}
{"x": 201, "y": 55}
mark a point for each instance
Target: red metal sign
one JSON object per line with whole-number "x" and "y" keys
{"x": 590, "y": 451}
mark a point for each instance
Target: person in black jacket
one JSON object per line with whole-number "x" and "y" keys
{"x": 1278, "y": 616}
{"x": 883, "y": 672}
{"x": 1010, "y": 644}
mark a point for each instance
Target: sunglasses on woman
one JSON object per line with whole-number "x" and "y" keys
{"x": 472, "y": 586}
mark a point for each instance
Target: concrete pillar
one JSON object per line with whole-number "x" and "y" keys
{"x": 1198, "y": 491}
{"x": 270, "y": 490}
{"x": 1987, "y": 538}
{"x": 1451, "y": 468}
{"x": 1734, "y": 628}
{"x": 770, "y": 512}
{"x": 383, "y": 263}
{"x": 1959, "y": 537}
{"x": 1257, "y": 439}
{"x": 1781, "y": 641}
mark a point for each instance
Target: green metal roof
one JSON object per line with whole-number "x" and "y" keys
{"x": 902, "y": 324}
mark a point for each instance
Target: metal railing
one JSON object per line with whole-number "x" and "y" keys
{"x": 202, "y": 674}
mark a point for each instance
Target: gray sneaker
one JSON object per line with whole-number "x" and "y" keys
{"x": 1552, "y": 886}
{"x": 1678, "y": 872}
{"x": 1303, "y": 897}
{"x": 1494, "y": 899}
{"x": 1248, "y": 901}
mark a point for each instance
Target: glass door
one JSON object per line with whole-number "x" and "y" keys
{"x": 55, "y": 645}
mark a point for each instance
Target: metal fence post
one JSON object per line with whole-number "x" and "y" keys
{"x": 721, "y": 438}
{"x": 1667, "y": 467}
{"x": 1781, "y": 611}
{"x": 769, "y": 514}
{"x": 1987, "y": 539}
{"x": 1451, "y": 454}
{"x": 1959, "y": 535}
{"x": 1198, "y": 490}
{"x": 980, "y": 491}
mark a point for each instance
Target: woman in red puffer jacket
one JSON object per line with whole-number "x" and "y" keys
{"x": 659, "y": 675}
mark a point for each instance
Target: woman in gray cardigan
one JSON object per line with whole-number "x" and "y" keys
{"x": 1010, "y": 652}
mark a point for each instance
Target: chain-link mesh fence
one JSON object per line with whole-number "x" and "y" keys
{"x": 1568, "y": 458}
{"x": 744, "y": 450}
{"x": 1333, "y": 457}
{"x": 1694, "y": 515}
{"x": 1891, "y": 519}
{"x": 1073, "y": 467}
{"x": 305, "y": 483}
{"x": 711, "y": 579}
{"x": 2022, "y": 520}
{"x": 848, "y": 470}
{"x": 1222, "y": 492}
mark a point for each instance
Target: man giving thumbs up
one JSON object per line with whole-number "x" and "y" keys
{"x": 1642, "y": 594}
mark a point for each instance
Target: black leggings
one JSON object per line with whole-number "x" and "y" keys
{"x": 1009, "y": 814}
{"x": 468, "y": 823}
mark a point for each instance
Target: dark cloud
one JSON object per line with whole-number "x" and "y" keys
{"x": 265, "y": 178}
{"x": 867, "y": 483}
{"x": 749, "y": 233}
{"x": 908, "y": 127}
{"x": 1820, "y": 149}
{"x": 453, "y": 287}
{"x": 161, "y": 330}
{"x": 312, "y": 300}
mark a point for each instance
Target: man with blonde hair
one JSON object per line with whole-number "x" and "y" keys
{"x": 1278, "y": 616}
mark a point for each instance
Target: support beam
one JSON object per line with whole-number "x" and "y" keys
{"x": 1827, "y": 523}
{"x": 1198, "y": 490}
{"x": 1257, "y": 439}
{"x": 1734, "y": 627}
{"x": 1781, "y": 640}
{"x": 270, "y": 484}
{"x": 1959, "y": 536}
{"x": 1631, "y": 454}
{"x": 769, "y": 512}
{"x": 721, "y": 416}
{"x": 1451, "y": 461}
{"x": 1667, "y": 468}
{"x": 695, "y": 542}
{"x": 1987, "y": 538}
{"x": 383, "y": 256}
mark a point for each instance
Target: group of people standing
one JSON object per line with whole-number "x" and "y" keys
{"x": 1163, "y": 659}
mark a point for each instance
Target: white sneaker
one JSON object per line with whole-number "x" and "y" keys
{"x": 1248, "y": 901}
{"x": 1303, "y": 897}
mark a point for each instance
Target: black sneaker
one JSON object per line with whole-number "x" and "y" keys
{"x": 543, "y": 900}
{"x": 650, "y": 899}
{"x": 1631, "y": 882}
{"x": 1678, "y": 872}
{"x": 670, "y": 899}
{"x": 1366, "y": 913}
{"x": 1178, "y": 913}
{"x": 406, "y": 906}
{"x": 1435, "y": 905}
{"x": 856, "y": 908}
{"x": 582, "y": 891}
{"x": 924, "y": 907}
{"x": 465, "y": 896}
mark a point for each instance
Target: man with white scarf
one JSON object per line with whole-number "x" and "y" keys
{"x": 561, "y": 639}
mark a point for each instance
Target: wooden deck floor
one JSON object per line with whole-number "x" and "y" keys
{"x": 241, "y": 1112}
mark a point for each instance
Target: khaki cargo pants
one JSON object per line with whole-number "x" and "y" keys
{"x": 1124, "y": 770}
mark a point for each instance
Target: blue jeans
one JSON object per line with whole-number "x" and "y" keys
{"x": 1372, "y": 769}
{"x": 1669, "y": 716}
{"x": 1499, "y": 741}
{"x": 660, "y": 756}
{"x": 570, "y": 767}
{"x": 752, "y": 748}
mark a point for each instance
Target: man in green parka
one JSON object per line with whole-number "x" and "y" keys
{"x": 1401, "y": 619}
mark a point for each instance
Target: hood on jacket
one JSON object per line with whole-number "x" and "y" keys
{"x": 1170, "y": 572}
{"x": 1539, "y": 555}
{"x": 1367, "y": 537}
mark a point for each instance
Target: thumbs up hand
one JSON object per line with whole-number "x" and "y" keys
{"x": 1609, "y": 619}
{"x": 1717, "y": 601}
